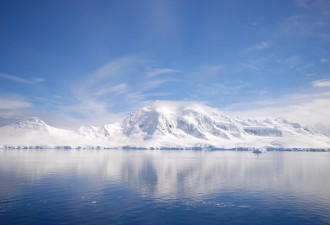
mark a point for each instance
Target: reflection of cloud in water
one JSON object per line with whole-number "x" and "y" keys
{"x": 173, "y": 174}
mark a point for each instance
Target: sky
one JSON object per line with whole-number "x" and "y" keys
{"x": 92, "y": 62}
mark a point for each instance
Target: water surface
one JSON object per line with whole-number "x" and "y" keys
{"x": 163, "y": 187}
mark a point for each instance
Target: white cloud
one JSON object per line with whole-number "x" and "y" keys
{"x": 209, "y": 70}
{"x": 112, "y": 88}
{"x": 292, "y": 61}
{"x": 21, "y": 80}
{"x": 160, "y": 71}
{"x": 310, "y": 74}
{"x": 325, "y": 60}
{"x": 12, "y": 108}
{"x": 308, "y": 112}
{"x": 156, "y": 83}
{"x": 307, "y": 108}
{"x": 252, "y": 65}
{"x": 203, "y": 73}
{"x": 321, "y": 83}
{"x": 302, "y": 3}
{"x": 222, "y": 88}
{"x": 136, "y": 96}
{"x": 258, "y": 47}
{"x": 311, "y": 23}
{"x": 117, "y": 89}
{"x": 13, "y": 104}
{"x": 91, "y": 105}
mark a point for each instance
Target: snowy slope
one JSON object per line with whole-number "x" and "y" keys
{"x": 107, "y": 131}
{"x": 33, "y": 131}
{"x": 169, "y": 124}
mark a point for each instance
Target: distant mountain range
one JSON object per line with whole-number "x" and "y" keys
{"x": 169, "y": 125}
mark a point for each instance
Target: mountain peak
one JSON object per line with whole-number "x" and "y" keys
{"x": 172, "y": 120}
{"x": 179, "y": 120}
{"x": 166, "y": 124}
{"x": 31, "y": 123}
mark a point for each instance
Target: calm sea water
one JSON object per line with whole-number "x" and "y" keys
{"x": 163, "y": 187}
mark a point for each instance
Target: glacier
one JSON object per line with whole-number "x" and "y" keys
{"x": 169, "y": 125}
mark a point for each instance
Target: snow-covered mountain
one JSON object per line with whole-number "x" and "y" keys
{"x": 31, "y": 123}
{"x": 104, "y": 132}
{"x": 168, "y": 124}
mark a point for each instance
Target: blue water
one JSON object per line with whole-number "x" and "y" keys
{"x": 163, "y": 187}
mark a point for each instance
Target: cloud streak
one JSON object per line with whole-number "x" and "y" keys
{"x": 306, "y": 108}
{"x": 119, "y": 86}
{"x": 325, "y": 60}
{"x": 258, "y": 47}
{"x": 159, "y": 71}
{"x": 12, "y": 108}
{"x": 117, "y": 89}
{"x": 302, "y": 4}
{"x": 321, "y": 83}
{"x": 90, "y": 92}
{"x": 21, "y": 80}
{"x": 13, "y": 104}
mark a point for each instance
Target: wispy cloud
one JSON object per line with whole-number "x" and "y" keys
{"x": 312, "y": 23}
{"x": 252, "y": 65}
{"x": 89, "y": 90}
{"x": 302, "y": 3}
{"x": 325, "y": 60}
{"x": 153, "y": 84}
{"x": 308, "y": 108}
{"x": 258, "y": 47}
{"x": 204, "y": 72}
{"x": 292, "y": 61}
{"x": 13, "y": 104}
{"x": 160, "y": 71}
{"x": 116, "y": 89}
{"x": 210, "y": 69}
{"x": 227, "y": 89}
{"x": 310, "y": 74}
{"x": 321, "y": 83}
{"x": 12, "y": 108}
{"x": 120, "y": 85}
{"x": 21, "y": 80}
{"x": 308, "y": 111}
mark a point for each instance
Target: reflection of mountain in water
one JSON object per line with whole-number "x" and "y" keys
{"x": 173, "y": 174}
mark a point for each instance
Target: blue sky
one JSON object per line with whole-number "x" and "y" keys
{"x": 72, "y": 62}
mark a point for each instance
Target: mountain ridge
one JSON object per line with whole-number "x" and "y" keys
{"x": 170, "y": 125}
